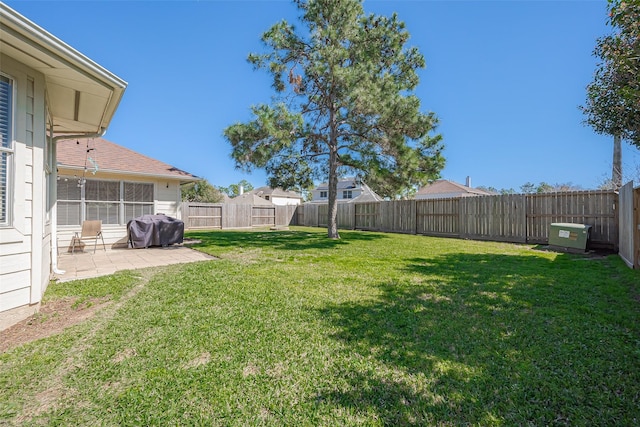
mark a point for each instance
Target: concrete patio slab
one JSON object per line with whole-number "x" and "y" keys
{"x": 84, "y": 265}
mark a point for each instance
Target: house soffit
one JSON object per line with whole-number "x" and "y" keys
{"x": 82, "y": 96}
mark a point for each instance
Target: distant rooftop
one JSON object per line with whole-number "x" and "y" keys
{"x": 343, "y": 184}
{"x": 443, "y": 186}
{"x": 277, "y": 192}
{"x": 249, "y": 199}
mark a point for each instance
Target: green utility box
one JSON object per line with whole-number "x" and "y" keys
{"x": 569, "y": 236}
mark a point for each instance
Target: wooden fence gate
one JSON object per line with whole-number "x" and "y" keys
{"x": 232, "y": 215}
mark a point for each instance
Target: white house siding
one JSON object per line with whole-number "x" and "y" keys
{"x": 443, "y": 195}
{"x": 114, "y": 236}
{"x": 167, "y": 200}
{"x": 24, "y": 243}
{"x": 437, "y": 196}
{"x": 41, "y": 251}
{"x": 355, "y": 192}
{"x": 15, "y": 289}
{"x": 283, "y": 201}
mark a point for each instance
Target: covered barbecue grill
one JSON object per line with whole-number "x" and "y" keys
{"x": 154, "y": 230}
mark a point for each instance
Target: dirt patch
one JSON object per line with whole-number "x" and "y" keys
{"x": 250, "y": 370}
{"x": 124, "y": 355}
{"x": 56, "y": 316}
{"x": 53, "y": 318}
{"x": 203, "y": 359}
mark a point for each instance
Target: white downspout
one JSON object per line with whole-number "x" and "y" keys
{"x": 54, "y": 208}
{"x": 54, "y": 239}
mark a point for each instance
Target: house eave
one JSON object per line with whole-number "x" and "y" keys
{"x": 182, "y": 179}
{"x": 83, "y": 96}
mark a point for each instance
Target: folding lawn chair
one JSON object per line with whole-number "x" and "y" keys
{"x": 90, "y": 230}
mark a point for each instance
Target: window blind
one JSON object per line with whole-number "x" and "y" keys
{"x": 102, "y": 200}
{"x": 5, "y": 144}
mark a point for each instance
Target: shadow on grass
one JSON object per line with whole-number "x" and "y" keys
{"x": 294, "y": 240}
{"x": 494, "y": 339}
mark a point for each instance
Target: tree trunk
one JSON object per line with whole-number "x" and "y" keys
{"x": 332, "y": 223}
{"x": 332, "y": 228}
{"x": 616, "y": 175}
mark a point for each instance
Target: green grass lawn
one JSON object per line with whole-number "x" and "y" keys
{"x": 290, "y": 328}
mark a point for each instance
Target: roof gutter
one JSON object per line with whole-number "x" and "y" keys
{"x": 54, "y": 44}
{"x": 81, "y": 135}
{"x": 183, "y": 179}
{"x": 38, "y": 38}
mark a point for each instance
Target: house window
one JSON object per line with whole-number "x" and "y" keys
{"x": 6, "y": 145}
{"x": 138, "y": 199}
{"x": 69, "y": 201}
{"x": 113, "y": 202}
{"x": 323, "y": 195}
{"x": 102, "y": 201}
{"x": 347, "y": 194}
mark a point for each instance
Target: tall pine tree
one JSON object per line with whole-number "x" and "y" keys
{"x": 346, "y": 105}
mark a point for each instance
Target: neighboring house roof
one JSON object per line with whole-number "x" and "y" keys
{"x": 111, "y": 157}
{"x": 274, "y": 192}
{"x": 367, "y": 195}
{"x": 451, "y": 188}
{"x": 343, "y": 184}
{"x": 82, "y": 96}
{"x": 250, "y": 199}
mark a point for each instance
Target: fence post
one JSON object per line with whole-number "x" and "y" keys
{"x": 415, "y": 212}
{"x": 224, "y": 216}
{"x": 636, "y": 222}
{"x": 461, "y": 224}
{"x": 626, "y": 246}
{"x": 184, "y": 211}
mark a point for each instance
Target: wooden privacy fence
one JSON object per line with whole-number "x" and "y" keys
{"x": 523, "y": 218}
{"x": 629, "y": 223}
{"x": 231, "y": 215}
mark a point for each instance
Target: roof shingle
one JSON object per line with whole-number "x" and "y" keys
{"x": 111, "y": 157}
{"x": 276, "y": 192}
{"x": 443, "y": 186}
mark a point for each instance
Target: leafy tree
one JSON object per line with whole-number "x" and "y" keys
{"x": 613, "y": 98}
{"x": 488, "y": 189}
{"x": 345, "y": 106}
{"x": 234, "y": 189}
{"x": 557, "y": 188}
{"x": 201, "y": 191}
{"x": 528, "y": 188}
{"x": 608, "y": 184}
{"x": 566, "y": 186}
{"x": 531, "y": 188}
{"x": 545, "y": 188}
{"x": 632, "y": 173}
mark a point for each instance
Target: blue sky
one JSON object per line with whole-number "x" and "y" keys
{"x": 504, "y": 77}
